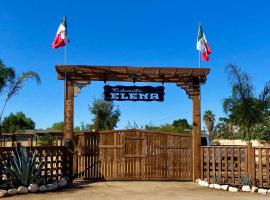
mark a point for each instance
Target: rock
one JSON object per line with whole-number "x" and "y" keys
{"x": 254, "y": 189}
{"x": 224, "y": 187}
{"x": 3, "y": 193}
{"x": 262, "y": 191}
{"x": 52, "y": 186}
{"x": 211, "y": 185}
{"x": 201, "y": 183}
{"x": 246, "y": 188}
{"x": 233, "y": 189}
{"x": 206, "y": 184}
{"x": 198, "y": 180}
{"x": 12, "y": 191}
{"x": 43, "y": 188}
{"x": 33, "y": 188}
{"x": 217, "y": 186}
{"x": 22, "y": 190}
{"x": 63, "y": 182}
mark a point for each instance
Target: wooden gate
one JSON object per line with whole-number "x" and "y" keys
{"x": 134, "y": 155}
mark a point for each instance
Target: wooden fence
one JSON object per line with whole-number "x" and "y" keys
{"x": 231, "y": 163}
{"x": 134, "y": 155}
{"x": 58, "y": 160}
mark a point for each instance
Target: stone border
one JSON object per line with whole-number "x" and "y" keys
{"x": 244, "y": 188}
{"x": 34, "y": 188}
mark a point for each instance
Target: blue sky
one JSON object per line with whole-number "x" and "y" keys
{"x": 136, "y": 33}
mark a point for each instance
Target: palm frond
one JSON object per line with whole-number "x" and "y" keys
{"x": 228, "y": 104}
{"x": 7, "y": 75}
{"x": 265, "y": 94}
{"x": 20, "y": 80}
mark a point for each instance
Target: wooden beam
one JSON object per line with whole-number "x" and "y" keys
{"x": 118, "y": 73}
{"x": 196, "y": 139}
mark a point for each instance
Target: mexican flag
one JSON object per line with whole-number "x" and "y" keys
{"x": 61, "y": 38}
{"x": 202, "y": 45}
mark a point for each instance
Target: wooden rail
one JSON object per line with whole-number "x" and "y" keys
{"x": 231, "y": 163}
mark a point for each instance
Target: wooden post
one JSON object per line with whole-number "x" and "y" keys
{"x": 250, "y": 161}
{"x": 68, "y": 112}
{"x": 196, "y": 139}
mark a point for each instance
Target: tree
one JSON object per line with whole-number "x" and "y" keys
{"x": 17, "y": 123}
{"x": 106, "y": 115}
{"x": 209, "y": 120}
{"x": 178, "y": 126}
{"x": 244, "y": 108}
{"x": 182, "y": 125}
{"x": 85, "y": 126}
{"x": 225, "y": 129}
{"x": 10, "y": 84}
{"x": 57, "y": 126}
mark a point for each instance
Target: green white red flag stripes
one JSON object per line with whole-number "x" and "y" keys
{"x": 61, "y": 38}
{"x": 202, "y": 44}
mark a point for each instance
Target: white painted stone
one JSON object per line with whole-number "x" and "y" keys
{"x": 268, "y": 191}
{"x": 224, "y": 187}
{"x": 22, "y": 190}
{"x": 206, "y": 184}
{"x": 217, "y": 186}
{"x": 254, "y": 189}
{"x": 201, "y": 183}
{"x": 233, "y": 189}
{"x": 12, "y": 191}
{"x": 43, "y": 188}
{"x": 198, "y": 180}
{"x": 63, "y": 182}
{"x": 33, "y": 188}
{"x": 211, "y": 185}
{"x": 3, "y": 193}
{"x": 246, "y": 188}
{"x": 262, "y": 191}
{"x": 52, "y": 186}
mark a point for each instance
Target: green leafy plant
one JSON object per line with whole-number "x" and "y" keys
{"x": 217, "y": 180}
{"x": 246, "y": 180}
{"x": 21, "y": 169}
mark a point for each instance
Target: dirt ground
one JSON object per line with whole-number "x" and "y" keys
{"x": 139, "y": 191}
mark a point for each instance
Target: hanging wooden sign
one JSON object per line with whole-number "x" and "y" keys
{"x": 133, "y": 93}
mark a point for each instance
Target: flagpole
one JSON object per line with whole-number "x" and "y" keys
{"x": 65, "y": 55}
{"x": 199, "y": 62}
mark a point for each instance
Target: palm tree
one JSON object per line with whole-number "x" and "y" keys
{"x": 14, "y": 85}
{"x": 244, "y": 108}
{"x": 209, "y": 120}
{"x": 7, "y": 74}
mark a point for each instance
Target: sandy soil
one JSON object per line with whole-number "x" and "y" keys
{"x": 139, "y": 191}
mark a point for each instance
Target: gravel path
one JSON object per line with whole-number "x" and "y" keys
{"x": 139, "y": 191}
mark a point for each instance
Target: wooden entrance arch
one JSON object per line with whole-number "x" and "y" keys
{"x": 190, "y": 79}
